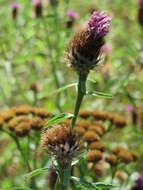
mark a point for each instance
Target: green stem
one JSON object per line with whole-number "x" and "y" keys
{"x": 65, "y": 178}
{"x": 18, "y": 147}
{"x": 80, "y": 94}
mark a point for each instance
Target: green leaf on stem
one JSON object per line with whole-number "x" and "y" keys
{"x": 99, "y": 94}
{"x": 59, "y": 90}
{"x": 21, "y": 188}
{"x": 36, "y": 172}
{"x": 58, "y": 118}
{"x": 92, "y": 186}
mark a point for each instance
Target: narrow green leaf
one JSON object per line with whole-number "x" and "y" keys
{"x": 21, "y": 188}
{"x": 58, "y": 118}
{"x": 59, "y": 90}
{"x": 99, "y": 94}
{"x": 105, "y": 185}
{"x": 36, "y": 172}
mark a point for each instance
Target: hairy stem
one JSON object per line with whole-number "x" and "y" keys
{"x": 80, "y": 95}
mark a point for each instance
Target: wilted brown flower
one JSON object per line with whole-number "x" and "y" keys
{"x": 125, "y": 156}
{"x": 97, "y": 130}
{"x": 15, "y": 121}
{"x": 7, "y": 114}
{"x": 37, "y": 123}
{"x": 62, "y": 143}
{"x": 1, "y": 122}
{"x": 134, "y": 155}
{"x": 111, "y": 159}
{"x": 119, "y": 121}
{"x": 91, "y": 136}
{"x": 79, "y": 130}
{"x": 94, "y": 156}
{"x": 97, "y": 145}
{"x": 23, "y": 110}
{"x": 41, "y": 112}
{"x": 22, "y": 129}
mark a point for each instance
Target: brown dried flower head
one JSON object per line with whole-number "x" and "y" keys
{"x": 22, "y": 129}
{"x": 111, "y": 159}
{"x": 1, "y": 122}
{"x": 61, "y": 143}
{"x": 94, "y": 155}
{"x": 97, "y": 145}
{"x": 7, "y": 114}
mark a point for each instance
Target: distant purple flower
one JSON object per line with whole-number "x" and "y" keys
{"x": 99, "y": 24}
{"x": 15, "y": 7}
{"x": 72, "y": 14}
{"x": 139, "y": 184}
{"x": 130, "y": 108}
{"x": 52, "y": 175}
{"x": 141, "y": 2}
{"x": 107, "y": 48}
{"x": 38, "y": 8}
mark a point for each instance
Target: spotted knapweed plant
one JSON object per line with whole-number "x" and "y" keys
{"x": 83, "y": 55}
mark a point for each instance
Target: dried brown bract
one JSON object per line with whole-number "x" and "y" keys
{"x": 61, "y": 143}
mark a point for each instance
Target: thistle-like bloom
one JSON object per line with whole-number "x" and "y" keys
{"x": 139, "y": 184}
{"x": 15, "y": 7}
{"x": 140, "y": 12}
{"x": 61, "y": 143}
{"x": 38, "y": 8}
{"x": 72, "y": 15}
{"x": 85, "y": 48}
{"x": 52, "y": 176}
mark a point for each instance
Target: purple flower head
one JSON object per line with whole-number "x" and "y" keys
{"x": 139, "y": 184}
{"x": 99, "y": 24}
{"x": 15, "y": 6}
{"x": 72, "y": 14}
{"x": 130, "y": 108}
{"x": 141, "y": 3}
{"x": 38, "y": 8}
{"x": 107, "y": 49}
{"x": 52, "y": 175}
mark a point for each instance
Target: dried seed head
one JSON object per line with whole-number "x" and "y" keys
{"x": 134, "y": 155}
{"x": 85, "y": 48}
{"x": 97, "y": 130}
{"x": 85, "y": 114}
{"x": 119, "y": 121}
{"x": 91, "y": 136}
{"x": 1, "y": 122}
{"x": 112, "y": 160}
{"x": 125, "y": 156}
{"x": 97, "y": 145}
{"x": 7, "y": 114}
{"x": 35, "y": 87}
{"x": 37, "y": 123}
{"x": 41, "y": 112}
{"x": 22, "y": 129}
{"x": 62, "y": 143}
{"x": 94, "y": 156}
{"x": 79, "y": 131}
{"x": 23, "y": 110}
